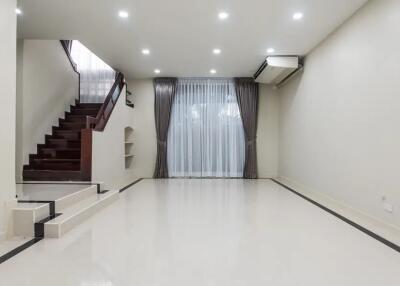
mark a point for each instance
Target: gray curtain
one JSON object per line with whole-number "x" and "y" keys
{"x": 247, "y": 97}
{"x": 164, "y": 91}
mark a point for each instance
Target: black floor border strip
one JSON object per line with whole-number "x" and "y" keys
{"x": 19, "y": 249}
{"x": 38, "y": 230}
{"x": 130, "y": 185}
{"x": 39, "y": 226}
{"x": 346, "y": 220}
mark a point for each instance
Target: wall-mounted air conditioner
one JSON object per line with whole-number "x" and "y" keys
{"x": 276, "y": 70}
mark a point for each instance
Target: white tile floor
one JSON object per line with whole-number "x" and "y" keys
{"x": 208, "y": 233}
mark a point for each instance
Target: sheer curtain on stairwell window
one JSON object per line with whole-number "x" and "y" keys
{"x": 96, "y": 77}
{"x": 206, "y": 136}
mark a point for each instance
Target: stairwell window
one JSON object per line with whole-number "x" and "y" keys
{"x": 97, "y": 77}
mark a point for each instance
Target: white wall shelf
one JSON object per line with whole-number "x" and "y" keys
{"x": 128, "y": 146}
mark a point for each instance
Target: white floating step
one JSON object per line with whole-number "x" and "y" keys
{"x": 69, "y": 200}
{"x": 77, "y": 213}
{"x": 37, "y": 201}
{"x": 26, "y": 214}
{"x": 49, "y": 191}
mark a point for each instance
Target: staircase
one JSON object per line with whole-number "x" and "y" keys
{"x": 59, "y": 159}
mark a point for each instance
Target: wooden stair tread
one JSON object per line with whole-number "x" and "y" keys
{"x": 52, "y": 142}
{"x": 67, "y": 131}
{"x": 64, "y": 123}
{"x": 62, "y": 140}
{"x": 88, "y": 105}
{"x": 61, "y": 160}
{"x": 53, "y": 175}
{"x": 84, "y": 110}
{"x": 78, "y": 116}
{"x": 59, "y": 149}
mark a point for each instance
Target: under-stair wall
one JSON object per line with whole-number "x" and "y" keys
{"x": 47, "y": 86}
{"x": 108, "y": 151}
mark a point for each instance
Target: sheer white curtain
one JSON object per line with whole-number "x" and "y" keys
{"x": 97, "y": 77}
{"x": 205, "y": 137}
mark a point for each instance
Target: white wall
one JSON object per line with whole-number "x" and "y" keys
{"x": 268, "y": 133}
{"x": 108, "y": 153}
{"x": 47, "y": 85}
{"x": 145, "y": 135}
{"x": 145, "y": 148}
{"x": 7, "y": 115}
{"x": 340, "y": 120}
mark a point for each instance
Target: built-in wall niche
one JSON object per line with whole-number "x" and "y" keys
{"x": 128, "y": 146}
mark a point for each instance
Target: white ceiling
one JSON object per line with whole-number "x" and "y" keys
{"x": 181, "y": 34}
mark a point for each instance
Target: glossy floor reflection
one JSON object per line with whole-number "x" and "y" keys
{"x": 208, "y": 233}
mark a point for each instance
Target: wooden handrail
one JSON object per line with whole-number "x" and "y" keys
{"x": 64, "y": 44}
{"x": 99, "y": 122}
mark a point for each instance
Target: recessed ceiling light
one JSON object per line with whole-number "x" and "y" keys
{"x": 123, "y": 14}
{"x": 223, "y": 15}
{"x": 217, "y": 51}
{"x": 157, "y": 71}
{"x": 213, "y": 71}
{"x": 271, "y": 51}
{"x": 298, "y": 16}
{"x": 18, "y": 11}
{"x": 145, "y": 51}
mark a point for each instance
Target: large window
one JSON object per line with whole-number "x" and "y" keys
{"x": 206, "y": 137}
{"x": 96, "y": 78}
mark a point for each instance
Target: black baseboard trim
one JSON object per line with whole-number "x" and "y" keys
{"x": 98, "y": 189}
{"x": 346, "y": 220}
{"x": 19, "y": 249}
{"x": 130, "y": 185}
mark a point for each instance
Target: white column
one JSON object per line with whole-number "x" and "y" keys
{"x": 8, "y": 27}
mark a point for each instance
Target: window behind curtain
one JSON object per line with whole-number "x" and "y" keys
{"x": 206, "y": 137}
{"x": 97, "y": 77}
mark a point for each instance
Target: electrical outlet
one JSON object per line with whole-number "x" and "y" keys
{"x": 386, "y": 205}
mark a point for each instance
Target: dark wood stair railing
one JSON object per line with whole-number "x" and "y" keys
{"x": 98, "y": 123}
